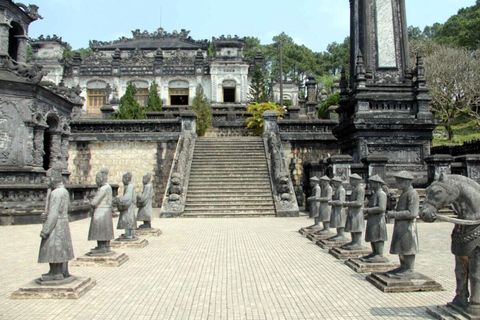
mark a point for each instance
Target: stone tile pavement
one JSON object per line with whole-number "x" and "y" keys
{"x": 222, "y": 268}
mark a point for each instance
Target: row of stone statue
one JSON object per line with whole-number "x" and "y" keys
{"x": 332, "y": 210}
{"x": 56, "y": 246}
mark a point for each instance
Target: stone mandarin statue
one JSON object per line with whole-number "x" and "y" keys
{"x": 314, "y": 203}
{"x": 337, "y": 219}
{"x": 404, "y": 238}
{"x": 355, "y": 223}
{"x": 56, "y": 247}
{"x": 465, "y": 236}
{"x": 325, "y": 209}
{"x": 144, "y": 203}
{"x": 101, "y": 225}
{"x": 126, "y": 206}
{"x": 376, "y": 232}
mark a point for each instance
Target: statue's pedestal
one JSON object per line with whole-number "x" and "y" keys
{"x": 306, "y": 231}
{"x": 134, "y": 243}
{"x": 393, "y": 284}
{"x": 72, "y": 290}
{"x": 327, "y": 244}
{"x": 344, "y": 254}
{"x": 316, "y": 237}
{"x": 450, "y": 311}
{"x": 360, "y": 266}
{"x": 96, "y": 260}
{"x": 149, "y": 232}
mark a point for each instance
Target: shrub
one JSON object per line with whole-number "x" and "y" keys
{"x": 255, "y": 121}
{"x": 204, "y": 111}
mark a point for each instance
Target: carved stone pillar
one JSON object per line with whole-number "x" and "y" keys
{"x": 22, "y": 48}
{"x": 377, "y": 164}
{"x": 189, "y": 121}
{"x": 270, "y": 121}
{"x": 64, "y": 149}
{"x": 38, "y": 151}
{"x": 55, "y": 147}
{"x": 340, "y": 166}
{"x": 437, "y": 164}
{"x": 470, "y": 166}
{"x": 4, "y": 41}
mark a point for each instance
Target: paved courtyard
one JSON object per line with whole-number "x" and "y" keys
{"x": 222, "y": 268}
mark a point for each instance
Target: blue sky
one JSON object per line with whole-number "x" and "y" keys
{"x": 314, "y": 23}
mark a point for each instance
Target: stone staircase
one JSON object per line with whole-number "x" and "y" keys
{"x": 229, "y": 178}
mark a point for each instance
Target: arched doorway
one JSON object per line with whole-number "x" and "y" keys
{"x": 13, "y": 41}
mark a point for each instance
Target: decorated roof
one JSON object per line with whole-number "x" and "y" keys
{"x": 157, "y": 39}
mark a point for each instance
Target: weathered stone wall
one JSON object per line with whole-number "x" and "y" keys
{"x": 87, "y": 158}
{"x": 300, "y": 153}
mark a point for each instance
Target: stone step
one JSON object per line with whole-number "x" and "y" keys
{"x": 220, "y": 206}
{"x": 245, "y": 154}
{"x": 226, "y": 175}
{"x": 227, "y": 168}
{"x": 247, "y": 214}
{"x": 216, "y": 190}
{"x": 209, "y": 180}
{"x": 231, "y": 201}
{"x": 230, "y": 183}
{"x": 229, "y": 195}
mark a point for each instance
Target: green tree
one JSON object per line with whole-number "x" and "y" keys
{"x": 255, "y": 121}
{"x": 154, "y": 103}
{"x": 204, "y": 111}
{"x": 461, "y": 30}
{"x": 258, "y": 88}
{"x": 129, "y": 107}
{"x": 251, "y": 46}
{"x": 332, "y": 100}
{"x": 211, "y": 50}
{"x": 29, "y": 52}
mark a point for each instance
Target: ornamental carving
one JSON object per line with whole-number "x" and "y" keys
{"x": 160, "y": 33}
{"x": 31, "y": 10}
{"x": 123, "y": 127}
{"x": 49, "y": 38}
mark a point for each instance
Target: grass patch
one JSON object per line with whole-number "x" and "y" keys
{"x": 464, "y": 129}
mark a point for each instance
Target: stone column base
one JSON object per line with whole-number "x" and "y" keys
{"x": 72, "y": 290}
{"x": 344, "y": 254}
{"x": 417, "y": 283}
{"x": 113, "y": 260}
{"x": 360, "y": 266}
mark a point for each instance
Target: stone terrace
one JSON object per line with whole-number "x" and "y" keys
{"x": 222, "y": 268}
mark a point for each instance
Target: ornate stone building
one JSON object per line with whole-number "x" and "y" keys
{"x": 175, "y": 61}
{"x": 34, "y": 121}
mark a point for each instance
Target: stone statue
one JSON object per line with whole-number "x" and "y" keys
{"x": 376, "y": 232}
{"x": 325, "y": 208}
{"x": 404, "y": 238}
{"x": 465, "y": 236}
{"x": 56, "y": 247}
{"x": 355, "y": 223}
{"x": 337, "y": 218}
{"x": 126, "y": 206}
{"x": 314, "y": 204}
{"x": 101, "y": 225}
{"x": 144, "y": 203}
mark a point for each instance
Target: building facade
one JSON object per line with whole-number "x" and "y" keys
{"x": 175, "y": 61}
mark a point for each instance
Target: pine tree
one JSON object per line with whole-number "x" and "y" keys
{"x": 204, "y": 111}
{"x": 154, "y": 103}
{"x": 258, "y": 89}
{"x": 129, "y": 107}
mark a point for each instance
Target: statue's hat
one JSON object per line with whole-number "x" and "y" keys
{"x": 338, "y": 179}
{"x": 376, "y": 178}
{"x": 404, "y": 175}
{"x": 314, "y": 179}
{"x": 325, "y": 178}
{"x": 355, "y": 176}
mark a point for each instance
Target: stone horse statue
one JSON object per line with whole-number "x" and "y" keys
{"x": 464, "y": 194}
